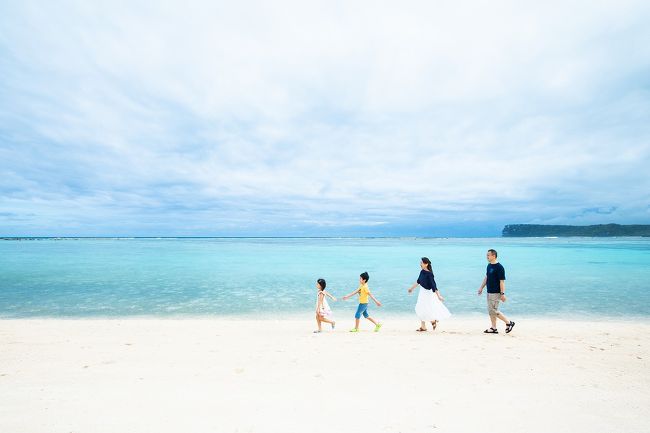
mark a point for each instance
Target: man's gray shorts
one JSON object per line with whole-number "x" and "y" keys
{"x": 493, "y": 303}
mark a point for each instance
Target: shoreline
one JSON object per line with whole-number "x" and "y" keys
{"x": 309, "y": 316}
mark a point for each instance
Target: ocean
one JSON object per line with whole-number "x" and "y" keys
{"x": 275, "y": 277}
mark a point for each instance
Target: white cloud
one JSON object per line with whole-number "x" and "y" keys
{"x": 294, "y": 113}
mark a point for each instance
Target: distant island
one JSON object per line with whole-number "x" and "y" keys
{"x": 600, "y": 230}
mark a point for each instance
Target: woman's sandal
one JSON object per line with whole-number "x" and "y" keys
{"x": 421, "y": 329}
{"x": 491, "y": 331}
{"x": 434, "y": 324}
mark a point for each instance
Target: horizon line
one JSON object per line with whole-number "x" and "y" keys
{"x": 239, "y": 237}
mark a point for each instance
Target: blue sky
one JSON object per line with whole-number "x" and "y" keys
{"x": 322, "y": 119}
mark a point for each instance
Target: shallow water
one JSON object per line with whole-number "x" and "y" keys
{"x": 276, "y": 277}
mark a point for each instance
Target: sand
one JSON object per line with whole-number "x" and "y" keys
{"x": 229, "y": 375}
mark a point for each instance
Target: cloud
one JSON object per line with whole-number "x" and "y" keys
{"x": 600, "y": 210}
{"x": 217, "y": 118}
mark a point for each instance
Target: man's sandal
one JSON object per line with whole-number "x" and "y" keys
{"x": 509, "y": 327}
{"x": 491, "y": 331}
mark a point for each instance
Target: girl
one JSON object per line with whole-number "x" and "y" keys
{"x": 323, "y": 311}
{"x": 429, "y": 307}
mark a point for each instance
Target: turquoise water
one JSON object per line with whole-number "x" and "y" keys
{"x": 276, "y": 277}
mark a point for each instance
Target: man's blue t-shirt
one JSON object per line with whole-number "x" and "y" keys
{"x": 495, "y": 273}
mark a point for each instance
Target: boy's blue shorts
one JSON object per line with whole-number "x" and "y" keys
{"x": 361, "y": 309}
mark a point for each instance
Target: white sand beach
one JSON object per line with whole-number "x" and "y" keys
{"x": 228, "y": 375}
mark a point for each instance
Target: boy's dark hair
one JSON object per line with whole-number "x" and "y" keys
{"x": 365, "y": 276}
{"x": 322, "y": 283}
{"x": 494, "y": 252}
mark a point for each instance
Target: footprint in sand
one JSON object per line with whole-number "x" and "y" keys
{"x": 239, "y": 370}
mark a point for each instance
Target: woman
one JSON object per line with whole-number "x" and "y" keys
{"x": 429, "y": 307}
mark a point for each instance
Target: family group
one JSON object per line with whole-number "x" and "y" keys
{"x": 429, "y": 307}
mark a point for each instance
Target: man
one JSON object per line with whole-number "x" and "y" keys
{"x": 495, "y": 280}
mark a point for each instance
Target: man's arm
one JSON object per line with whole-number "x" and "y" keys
{"x": 502, "y": 289}
{"x": 483, "y": 284}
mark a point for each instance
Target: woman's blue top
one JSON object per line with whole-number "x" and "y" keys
{"x": 427, "y": 281}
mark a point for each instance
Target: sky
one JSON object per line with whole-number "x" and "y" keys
{"x": 293, "y": 118}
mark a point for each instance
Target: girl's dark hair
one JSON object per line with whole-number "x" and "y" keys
{"x": 365, "y": 276}
{"x": 427, "y": 262}
{"x": 321, "y": 282}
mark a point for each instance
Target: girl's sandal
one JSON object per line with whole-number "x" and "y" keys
{"x": 421, "y": 330}
{"x": 434, "y": 324}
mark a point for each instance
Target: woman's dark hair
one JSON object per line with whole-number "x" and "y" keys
{"x": 427, "y": 262}
{"x": 321, "y": 282}
{"x": 365, "y": 276}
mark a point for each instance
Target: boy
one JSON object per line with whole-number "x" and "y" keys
{"x": 364, "y": 293}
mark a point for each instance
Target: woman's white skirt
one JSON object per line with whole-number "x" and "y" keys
{"x": 429, "y": 307}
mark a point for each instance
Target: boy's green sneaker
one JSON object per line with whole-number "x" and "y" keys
{"x": 377, "y": 327}
{"x": 354, "y": 330}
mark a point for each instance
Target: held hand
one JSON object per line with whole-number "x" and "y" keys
{"x": 334, "y": 298}
{"x": 378, "y": 304}
{"x": 480, "y": 291}
{"x": 441, "y": 299}
{"x": 410, "y": 290}
{"x": 344, "y": 298}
